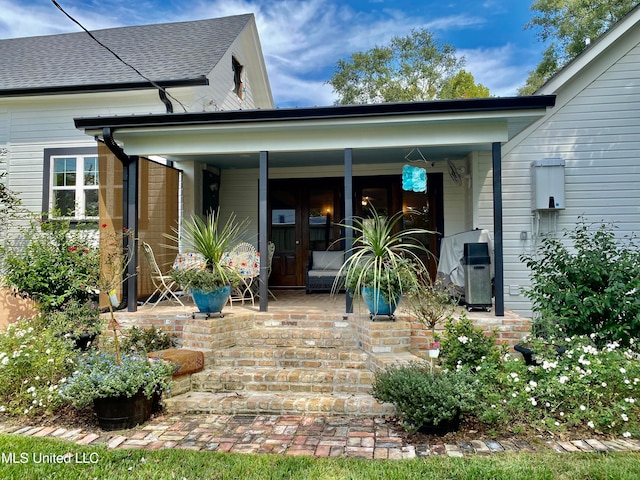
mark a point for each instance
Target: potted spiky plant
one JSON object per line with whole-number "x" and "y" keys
{"x": 210, "y": 283}
{"x": 383, "y": 262}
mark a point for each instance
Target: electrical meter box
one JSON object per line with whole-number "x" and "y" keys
{"x": 547, "y": 184}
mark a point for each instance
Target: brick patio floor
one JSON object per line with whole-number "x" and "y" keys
{"x": 370, "y": 438}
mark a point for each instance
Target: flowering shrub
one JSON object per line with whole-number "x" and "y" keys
{"x": 100, "y": 375}
{"x": 52, "y": 264}
{"x": 423, "y": 398}
{"x": 33, "y": 363}
{"x": 590, "y": 286}
{"x": 597, "y": 388}
{"x": 465, "y": 346}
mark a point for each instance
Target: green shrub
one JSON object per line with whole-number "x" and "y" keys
{"x": 586, "y": 283}
{"x": 423, "y": 398}
{"x": 33, "y": 363}
{"x": 595, "y": 388}
{"x": 52, "y": 264}
{"x": 465, "y": 346}
{"x": 75, "y": 318}
{"x": 144, "y": 340}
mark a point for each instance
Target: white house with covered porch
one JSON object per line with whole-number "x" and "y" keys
{"x": 288, "y": 170}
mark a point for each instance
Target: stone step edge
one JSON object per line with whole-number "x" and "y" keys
{"x": 226, "y": 370}
{"x": 298, "y": 352}
{"x": 278, "y": 404}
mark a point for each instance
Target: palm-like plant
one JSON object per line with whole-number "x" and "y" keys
{"x": 383, "y": 257}
{"x": 212, "y": 239}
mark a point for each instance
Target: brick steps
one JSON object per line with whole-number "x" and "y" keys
{"x": 310, "y": 380}
{"x": 302, "y": 364}
{"x": 278, "y": 403}
{"x": 290, "y": 357}
{"x": 297, "y": 337}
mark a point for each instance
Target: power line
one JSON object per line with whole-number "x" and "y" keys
{"x": 162, "y": 89}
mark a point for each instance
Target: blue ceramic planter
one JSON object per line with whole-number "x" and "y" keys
{"x": 377, "y": 304}
{"x": 211, "y": 302}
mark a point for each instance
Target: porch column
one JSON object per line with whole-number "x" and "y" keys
{"x": 348, "y": 214}
{"x": 263, "y": 246}
{"x": 498, "y": 247}
{"x": 130, "y": 192}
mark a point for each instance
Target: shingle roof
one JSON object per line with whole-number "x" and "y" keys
{"x": 163, "y": 52}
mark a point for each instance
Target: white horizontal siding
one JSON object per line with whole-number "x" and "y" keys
{"x": 596, "y": 131}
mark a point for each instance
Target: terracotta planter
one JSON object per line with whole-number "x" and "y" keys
{"x": 116, "y": 413}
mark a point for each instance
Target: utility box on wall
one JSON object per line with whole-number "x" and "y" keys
{"x": 547, "y": 184}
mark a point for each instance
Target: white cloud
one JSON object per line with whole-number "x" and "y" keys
{"x": 501, "y": 69}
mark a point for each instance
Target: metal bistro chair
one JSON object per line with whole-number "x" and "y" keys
{"x": 271, "y": 250}
{"x": 163, "y": 283}
{"x": 245, "y": 260}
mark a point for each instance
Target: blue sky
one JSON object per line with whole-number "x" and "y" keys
{"x": 303, "y": 40}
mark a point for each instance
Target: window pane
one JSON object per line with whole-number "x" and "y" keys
{"x": 91, "y": 171}
{"x": 64, "y": 172}
{"x": 65, "y": 202}
{"x": 91, "y": 203}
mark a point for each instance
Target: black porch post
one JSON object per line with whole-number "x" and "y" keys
{"x": 263, "y": 246}
{"x": 130, "y": 222}
{"x": 348, "y": 213}
{"x": 498, "y": 247}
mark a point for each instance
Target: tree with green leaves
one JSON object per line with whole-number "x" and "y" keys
{"x": 569, "y": 26}
{"x": 411, "y": 68}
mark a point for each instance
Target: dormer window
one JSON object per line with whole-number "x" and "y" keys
{"x": 237, "y": 76}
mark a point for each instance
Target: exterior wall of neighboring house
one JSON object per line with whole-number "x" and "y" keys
{"x": 595, "y": 129}
{"x": 238, "y": 190}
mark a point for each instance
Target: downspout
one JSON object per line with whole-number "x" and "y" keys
{"x": 129, "y": 217}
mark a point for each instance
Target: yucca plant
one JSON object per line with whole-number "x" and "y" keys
{"x": 212, "y": 239}
{"x": 384, "y": 257}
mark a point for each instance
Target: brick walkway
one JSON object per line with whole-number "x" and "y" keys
{"x": 300, "y": 435}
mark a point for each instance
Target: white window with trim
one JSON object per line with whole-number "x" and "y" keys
{"x": 74, "y": 186}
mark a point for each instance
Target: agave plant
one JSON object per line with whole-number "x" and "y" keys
{"x": 212, "y": 239}
{"x": 383, "y": 257}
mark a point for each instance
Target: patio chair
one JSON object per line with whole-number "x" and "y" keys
{"x": 245, "y": 260}
{"x": 163, "y": 283}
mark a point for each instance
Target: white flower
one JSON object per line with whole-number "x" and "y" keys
{"x": 31, "y": 389}
{"x": 622, "y": 370}
{"x": 514, "y": 395}
{"x": 48, "y": 351}
{"x": 533, "y": 401}
{"x": 630, "y": 400}
{"x": 5, "y": 360}
{"x": 533, "y": 384}
{"x": 562, "y": 414}
{"x": 626, "y": 434}
{"x": 563, "y": 379}
{"x": 556, "y": 423}
{"x": 590, "y": 424}
{"x": 624, "y": 417}
{"x": 583, "y": 408}
{"x": 463, "y": 339}
{"x": 604, "y": 384}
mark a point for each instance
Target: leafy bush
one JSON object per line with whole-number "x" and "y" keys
{"x": 99, "y": 375}
{"x": 590, "y": 284}
{"x": 465, "y": 346}
{"x": 144, "y": 340}
{"x": 75, "y": 318}
{"x": 423, "y": 398}
{"x": 33, "y": 363}
{"x": 590, "y": 387}
{"x": 53, "y": 264}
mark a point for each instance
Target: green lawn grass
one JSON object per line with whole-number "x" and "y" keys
{"x": 103, "y": 463}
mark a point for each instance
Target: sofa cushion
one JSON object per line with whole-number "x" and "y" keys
{"x": 327, "y": 260}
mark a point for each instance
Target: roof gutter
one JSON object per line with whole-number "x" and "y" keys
{"x": 319, "y": 113}
{"x": 100, "y": 88}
